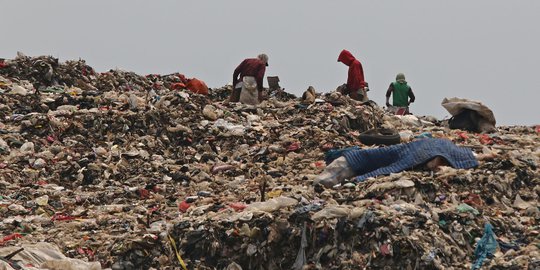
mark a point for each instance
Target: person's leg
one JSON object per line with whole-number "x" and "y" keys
{"x": 354, "y": 95}
{"x": 261, "y": 97}
{"x": 334, "y": 173}
{"x": 235, "y": 95}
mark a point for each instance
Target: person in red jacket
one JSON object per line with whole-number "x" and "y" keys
{"x": 251, "y": 69}
{"x": 356, "y": 86}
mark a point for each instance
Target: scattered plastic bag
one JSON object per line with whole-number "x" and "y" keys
{"x": 486, "y": 247}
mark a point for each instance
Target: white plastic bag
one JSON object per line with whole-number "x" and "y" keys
{"x": 45, "y": 256}
{"x": 334, "y": 173}
{"x": 249, "y": 94}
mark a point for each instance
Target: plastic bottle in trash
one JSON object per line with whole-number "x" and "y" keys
{"x": 43, "y": 200}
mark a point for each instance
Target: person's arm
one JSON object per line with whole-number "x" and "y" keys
{"x": 237, "y": 73}
{"x": 411, "y": 96}
{"x": 260, "y": 76}
{"x": 388, "y": 93}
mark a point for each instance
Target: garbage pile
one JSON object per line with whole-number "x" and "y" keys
{"x": 47, "y": 74}
{"x": 133, "y": 173}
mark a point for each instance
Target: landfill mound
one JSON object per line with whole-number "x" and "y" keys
{"x": 127, "y": 171}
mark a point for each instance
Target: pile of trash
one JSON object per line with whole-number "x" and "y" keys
{"x": 134, "y": 173}
{"x": 47, "y": 74}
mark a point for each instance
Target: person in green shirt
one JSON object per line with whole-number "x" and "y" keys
{"x": 401, "y": 91}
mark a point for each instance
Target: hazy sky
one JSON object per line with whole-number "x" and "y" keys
{"x": 486, "y": 50}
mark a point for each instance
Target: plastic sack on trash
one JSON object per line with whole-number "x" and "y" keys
{"x": 197, "y": 86}
{"x": 233, "y": 130}
{"x": 334, "y": 173}
{"x": 249, "y": 94}
{"x": 456, "y": 106}
{"x": 486, "y": 246}
{"x": 332, "y": 211}
{"x": 45, "y": 256}
{"x": 272, "y": 205}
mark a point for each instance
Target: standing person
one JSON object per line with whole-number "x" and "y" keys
{"x": 356, "y": 86}
{"x": 249, "y": 76}
{"x": 403, "y": 95}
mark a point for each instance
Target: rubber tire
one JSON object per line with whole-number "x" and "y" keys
{"x": 380, "y": 136}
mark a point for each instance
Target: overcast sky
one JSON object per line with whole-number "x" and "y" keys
{"x": 486, "y": 50}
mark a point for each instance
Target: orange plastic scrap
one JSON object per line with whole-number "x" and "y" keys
{"x": 176, "y": 86}
{"x": 10, "y": 237}
{"x": 463, "y": 135}
{"x": 197, "y": 86}
{"x": 485, "y": 139}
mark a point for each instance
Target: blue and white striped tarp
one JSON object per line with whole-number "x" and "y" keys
{"x": 396, "y": 158}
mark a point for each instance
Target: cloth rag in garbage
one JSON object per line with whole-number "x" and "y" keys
{"x": 396, "y": 158}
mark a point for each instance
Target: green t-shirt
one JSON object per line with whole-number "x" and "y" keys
{"x": 401, "y": 94}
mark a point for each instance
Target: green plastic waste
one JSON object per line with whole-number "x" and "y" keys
{"x": 465, "y": 208}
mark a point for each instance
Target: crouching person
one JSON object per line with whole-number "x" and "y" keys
{"x": 248, "y": 80}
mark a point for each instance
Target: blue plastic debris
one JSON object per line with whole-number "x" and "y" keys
{"x": 486, "y": 247}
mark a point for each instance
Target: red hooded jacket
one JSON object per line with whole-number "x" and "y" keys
{"x": 355, "y": 80}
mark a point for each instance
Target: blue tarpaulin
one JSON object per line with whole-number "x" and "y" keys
{"x": 396, "y": 158}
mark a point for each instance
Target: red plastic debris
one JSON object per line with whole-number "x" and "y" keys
{"x": 238, "y": 206}
{"x": 10, "y": 237}
{"x": 86, "y": 251}
{"x": 385, "y": 249}
{"x": 177, "y": 86}
{"x": 61, "y": 217}
{"x": 144, "y": 193}
{"x": 41, "y": 182}
{"x": 485, "y": 139}
{"x": 327, "y": 146}
{"x": 474, "y": 199}
{"x": 320, "y": 164}
{"x": 293, "y": 147}
{"x": 222, "y": 168}
{"x": 328, "y": 107}
{"x": 463, "y": 136}
{"x": 182, "y": 78}
{"x": 153, "y": 209}
{"x": 183, "y": 206}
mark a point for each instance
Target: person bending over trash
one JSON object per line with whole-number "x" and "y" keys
{"x": 356, "y": 86}
{"x": 248, "y": 80}
{"x": 361, "y": 164}
{"x": 402, "y": 93}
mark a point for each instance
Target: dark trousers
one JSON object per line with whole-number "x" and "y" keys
{"x": 235, "y": 95}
